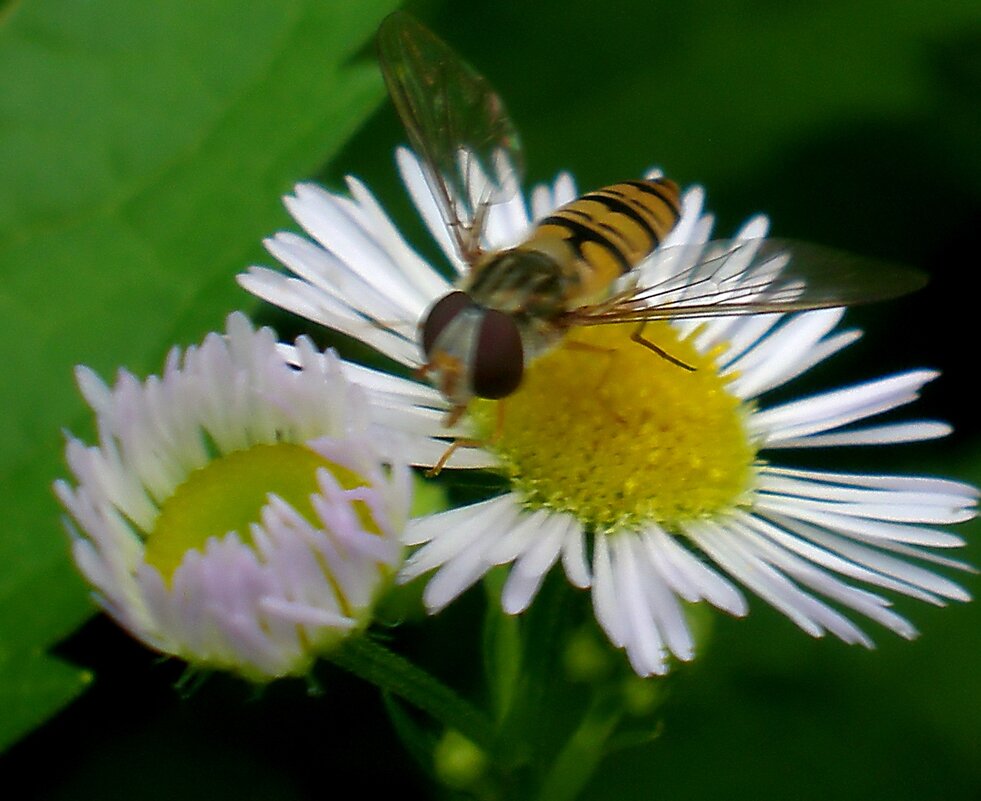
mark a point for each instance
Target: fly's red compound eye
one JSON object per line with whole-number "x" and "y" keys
{"x": 443, "y": 312}
{"x": 498, "y": 357}
{"x": 486, "y": 343}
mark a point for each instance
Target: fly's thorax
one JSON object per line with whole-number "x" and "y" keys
{"x": 531, "y": 281}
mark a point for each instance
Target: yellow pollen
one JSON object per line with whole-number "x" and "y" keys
{"x": 609, "y": 431}
{"x": 228, "y": 494}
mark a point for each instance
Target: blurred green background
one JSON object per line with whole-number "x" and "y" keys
{"x": 143, "y": 150}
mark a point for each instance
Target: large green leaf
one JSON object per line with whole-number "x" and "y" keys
{"x": 143, "y": 150}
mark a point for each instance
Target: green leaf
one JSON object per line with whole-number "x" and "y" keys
{"x": 143, "y": 152}
{"x": 33, "y": 686}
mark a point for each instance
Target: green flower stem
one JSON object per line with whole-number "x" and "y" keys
{"x": 585, "y": 749}
{"x": 389, "y": 671}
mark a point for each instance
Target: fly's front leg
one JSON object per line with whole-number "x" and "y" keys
{"x": 466, "y": 442}
{"x": 447, "y": 373}
{"x": 455, "y": 445}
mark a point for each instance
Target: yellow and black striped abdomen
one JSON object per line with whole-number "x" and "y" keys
{"x": 614, "y": 228}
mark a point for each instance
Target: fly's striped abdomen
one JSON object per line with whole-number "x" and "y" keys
{"x": 614, "y": 228}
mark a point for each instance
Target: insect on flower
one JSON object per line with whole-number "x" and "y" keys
{"x": 649, "y": 483}
{"x": 593, "y": 261}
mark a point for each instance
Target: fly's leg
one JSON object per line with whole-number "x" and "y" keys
{"x": 448, "y": 372}
{"x": 638, "y": 337}
{"x": 454, "y": 414}
{"x": 588, "y": 347}
{"x": 464, "y": 442}
{"x": 455, "y": 445}
{"x": 608, "y": 354}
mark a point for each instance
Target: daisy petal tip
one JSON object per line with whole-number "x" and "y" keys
{"x": 306, "y": 190}
{"x": 755, "y": 227}
{"x": 739, "y": 609}
{"x": 435, "y": 605}
{"x": 958, "y": 593}
{"x": 580, "y": 582}
{"x": 402, "y": 578}
{"x": 647, "y": 670}
{"x": 514, "y": 606}
{"x": 355, "y": 185}
{"x": 694, "y": 195}
{"x": 405, "y": 158}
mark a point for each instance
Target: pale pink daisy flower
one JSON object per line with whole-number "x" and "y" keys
{"x": 234, "y": 512}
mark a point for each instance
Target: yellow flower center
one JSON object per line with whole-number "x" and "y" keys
{"x": 228, "y": 494}
{"x": 611, "y": 432}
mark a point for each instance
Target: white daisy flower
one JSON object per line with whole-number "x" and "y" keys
{"x": 663, "y": 473}
{"x": 234, "y": 512}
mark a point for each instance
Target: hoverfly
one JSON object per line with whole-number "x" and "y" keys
{"x": 593, "y": 261}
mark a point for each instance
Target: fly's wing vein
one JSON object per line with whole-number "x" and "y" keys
{"x": 749, "y": 276}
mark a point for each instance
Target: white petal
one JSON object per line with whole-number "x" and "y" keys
{"x": 448, "y": 534}
{"x": 868, "y": 604}
{"x": 803, "y": 609}
{"x": 528, "y": 572}
{"x": 858, "y": 561}
{"x": 642, "y": 638}
{"x": 663, "y": 603}
{"x": 530, "y": 528}
{"x": 692, "y": 204}
{"x": 919, "y": 484}
{"x": 777, "y": 358}
{"x": 837, "y": 408}
{"x": 892, "y": 433}
{"x": 816, "y": 354}
{"x": 467, "y": 565}
{"x": 305, "y": 615}
{"x": 845, "y": 522}
{"x": 738, "y": 334}
{"x": 574, "y": 554}
{"x": 307, "y": 301}
{"x": 605, "y": 602}
{"x": 418, "y": 272}
{"x": 688, "y": 576}
{"x": 425, "y": 203}
{"x": 898, "y": 503}
{"x": 460, "y": 519}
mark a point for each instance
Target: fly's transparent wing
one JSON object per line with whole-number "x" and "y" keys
{"x": 457, "y": 124}
{"x": 749, "y": 276}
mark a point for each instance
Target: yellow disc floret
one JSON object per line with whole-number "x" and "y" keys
{"x": 609, "y": 431}
{"x": 229, "y": 492}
